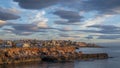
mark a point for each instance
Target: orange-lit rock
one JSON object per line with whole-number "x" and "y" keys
{"x": 58, "y": 53}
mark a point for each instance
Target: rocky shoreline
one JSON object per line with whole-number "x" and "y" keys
{"x": 51, "y": 54}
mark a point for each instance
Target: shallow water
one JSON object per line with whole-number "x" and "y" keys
{"x": 112, "y": 50}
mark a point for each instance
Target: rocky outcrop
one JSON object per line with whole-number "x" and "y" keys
{"x": 94, "y": 56}
{"x": 16, "y": 55}
{"x": 53, "y": 54}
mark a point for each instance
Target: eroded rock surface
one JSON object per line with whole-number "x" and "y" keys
{"x": 53, "y": 54}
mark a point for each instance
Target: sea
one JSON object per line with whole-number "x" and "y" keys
{"x": 113, "y": 50}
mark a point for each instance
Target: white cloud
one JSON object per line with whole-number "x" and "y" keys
{"x": 40, "y": 20}
{"x": 42, "y": 24}
{"x": 39, "y": 16}
{"x": 97, "y": 20}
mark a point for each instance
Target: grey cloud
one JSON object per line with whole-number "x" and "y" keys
{"x": 36, "y": 4}
{"x": 89, "y": 37}
{"x": 103, "y": 6}
{"x": 105, "y": 29}
{"x": 105, "y": 26}
{"x": 59, "y": 22}
{"x": 67, "y": 35}
{"x": 109, "y": 37}
{"x": 5, "y": 23}
{"x": 71, "y": 16}
{"x": 104, "y": 36}
{"x": 5, "y": 14}
{"x": 63, "y": 35}
{"x": 64, "y": 30}
{"x": 26, "y": 29}
{"x": 40, "y": 4}
{"x": 22, "y": 29}
{"x": 1, "y": 25}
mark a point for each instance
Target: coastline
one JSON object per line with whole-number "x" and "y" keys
{"x": 53, "y": 54}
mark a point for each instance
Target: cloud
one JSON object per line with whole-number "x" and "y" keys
{"x": 71, "y": 16}
{"x": 17, "y": 32}
{"x": 2, "y": 23}
{"x": 38, "y": 24}
{"x": 108, "y": 37}
{"x": 42, "y": 23}
{"x": 64, "y": 35}
{"x": 7, "y": 14}
{"x": 65, "y": 30}
{"x": 68, "y": 36}
{"x": 111, "y": 27}
{"x": 60, "y": 22}
{"x": 26, "y": 29}
{"x": 103, "y": 6}
{"x": 39, "y": 16}
{"x": 94, "y": 21}
{"x": 22, "y": 29}
{"x": 104, "y": 29}
{"x": 36, "y": 4}
{"x": 89, "y": 37}
{"x": 103, "y": 36}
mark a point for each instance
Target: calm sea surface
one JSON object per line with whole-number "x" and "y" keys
{"x": 112, "y": 49}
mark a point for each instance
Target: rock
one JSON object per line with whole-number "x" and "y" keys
{"x": 53, "y": 54}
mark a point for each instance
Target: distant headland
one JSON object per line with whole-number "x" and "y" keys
{"x": 44, "y": 43}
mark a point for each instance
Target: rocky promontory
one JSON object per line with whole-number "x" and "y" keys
{"x": 49, "y": 54}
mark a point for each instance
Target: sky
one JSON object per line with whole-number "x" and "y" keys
{"x": 78, "y": 20}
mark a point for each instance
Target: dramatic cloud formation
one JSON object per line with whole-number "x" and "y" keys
{"x": 80, "y": 20}
{"x": 6, "y": 14}
{"x": 102, "y": 6}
